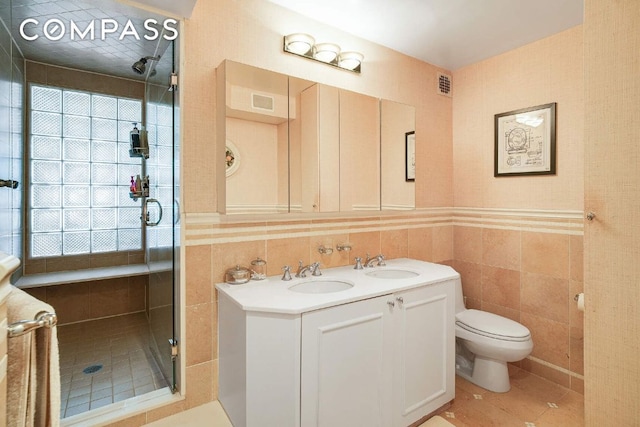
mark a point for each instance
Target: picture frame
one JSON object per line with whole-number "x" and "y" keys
{"x": 525, "y": 142}
{"x": 410, "y": 155}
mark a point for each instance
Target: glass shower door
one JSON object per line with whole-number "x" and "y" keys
{"x": 162, "y": 229}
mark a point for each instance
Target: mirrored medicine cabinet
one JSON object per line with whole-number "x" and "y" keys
{"x": 294, "y": 145}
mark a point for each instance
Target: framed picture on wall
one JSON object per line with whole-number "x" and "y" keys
{"x": 525, "y": 141}
{"x": 410, "y": 155}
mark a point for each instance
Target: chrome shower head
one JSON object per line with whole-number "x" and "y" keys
{"x": 140, "y": 66}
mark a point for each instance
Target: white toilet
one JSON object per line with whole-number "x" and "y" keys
{"x": 485, "y": 342}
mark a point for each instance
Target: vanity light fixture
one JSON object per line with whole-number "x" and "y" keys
{"x": 329, "y": 53}
{"x": 326, "y": 52}
{"x": 350, "y": 60}
{"x": 299, "y": 43}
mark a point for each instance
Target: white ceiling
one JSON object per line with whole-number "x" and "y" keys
{"x": 110, "y": 56}
{"x": 448, "y": 33}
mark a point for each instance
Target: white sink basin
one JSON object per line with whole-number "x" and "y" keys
{"x": 391, "y": 273}
{"x": 321, "y": 286}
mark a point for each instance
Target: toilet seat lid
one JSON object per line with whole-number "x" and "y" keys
{"x": 492, "y": 326}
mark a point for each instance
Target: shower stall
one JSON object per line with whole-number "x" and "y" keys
{"x": 104, "y": 256}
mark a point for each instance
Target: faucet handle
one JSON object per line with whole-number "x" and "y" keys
{"x": 287, "y": 273}
{"x": 358, "y": 265}
{"x": 381, "y": 262}
{"x": 343, "y": 247}
{"x": 315, "y": 269}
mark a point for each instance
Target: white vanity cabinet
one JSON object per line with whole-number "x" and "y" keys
{"x": 376, "y": 355}
{"x": 385, "y": 361}
{"x": 424, "y": 351}
{"x": 347, "y": 364}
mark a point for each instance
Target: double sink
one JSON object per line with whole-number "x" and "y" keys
{"x": 324, "y": 286}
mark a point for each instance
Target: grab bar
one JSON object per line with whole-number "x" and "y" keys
{"x": 22, "y": 327}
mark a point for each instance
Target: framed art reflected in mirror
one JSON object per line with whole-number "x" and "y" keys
{"x": 410, "y": 155}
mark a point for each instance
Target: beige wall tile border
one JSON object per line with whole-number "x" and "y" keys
{"x": 202, "y": 229}
{"x": 555, "y": 367}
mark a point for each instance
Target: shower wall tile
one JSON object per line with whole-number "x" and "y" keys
{"x": 79, "y": 262}
{"x": 109, "y": 297}
{"x": 77, "y": 302}
{"x": 71, "y": 302}
{"x": 137, "y": 299}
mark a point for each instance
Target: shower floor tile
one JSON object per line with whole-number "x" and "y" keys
{"x": 105, "y": 361}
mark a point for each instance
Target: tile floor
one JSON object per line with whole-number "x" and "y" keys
{"x": 531, "y": 402}
{"x": 121, "y": 346}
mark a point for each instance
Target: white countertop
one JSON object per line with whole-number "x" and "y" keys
{"x": 272, "y": 295}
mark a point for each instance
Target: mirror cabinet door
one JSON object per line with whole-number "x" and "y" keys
{"x": 257, "y": 136}
{"x": 397, "y": 145}
{"x": 315, "y": 148}
{"x": 359, "y": 152}
{"x": 295, "y": 145}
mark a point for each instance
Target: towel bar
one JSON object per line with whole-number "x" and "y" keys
{"x": 22, "y": 327}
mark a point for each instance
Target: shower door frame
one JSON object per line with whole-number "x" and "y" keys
{"x": 167, "y": 347}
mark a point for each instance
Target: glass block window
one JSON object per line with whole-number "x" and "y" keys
{"x": 160, "y": 165}
{"x": 80, "y": 173}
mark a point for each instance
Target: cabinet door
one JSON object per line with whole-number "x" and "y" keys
{"x": 347, "y": 355}
{"x": 423, "y": 377}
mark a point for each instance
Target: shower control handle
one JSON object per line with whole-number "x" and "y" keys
{"x": 145, "y": 212}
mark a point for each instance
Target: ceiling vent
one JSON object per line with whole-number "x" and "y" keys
{"x": 262, "y": 102}
{"x": 444, "y": 84}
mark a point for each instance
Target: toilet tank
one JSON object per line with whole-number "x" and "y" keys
{"x": 459, "y": 296}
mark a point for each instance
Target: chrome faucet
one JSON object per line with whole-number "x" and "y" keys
{"x": 313, "y": 268}
{"x": 378, "y": 258}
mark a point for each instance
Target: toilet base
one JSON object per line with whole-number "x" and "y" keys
{"x": 490, "y": 374}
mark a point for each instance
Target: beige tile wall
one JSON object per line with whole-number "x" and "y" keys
{"x": 76, "y": 302}
{"x": 530, "y": 277}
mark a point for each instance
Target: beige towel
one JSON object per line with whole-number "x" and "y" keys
{"x": 33, "y": 373}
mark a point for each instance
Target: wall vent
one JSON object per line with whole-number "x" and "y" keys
{"x": 444, "y": 84}
{"x": 262, "y": 102}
